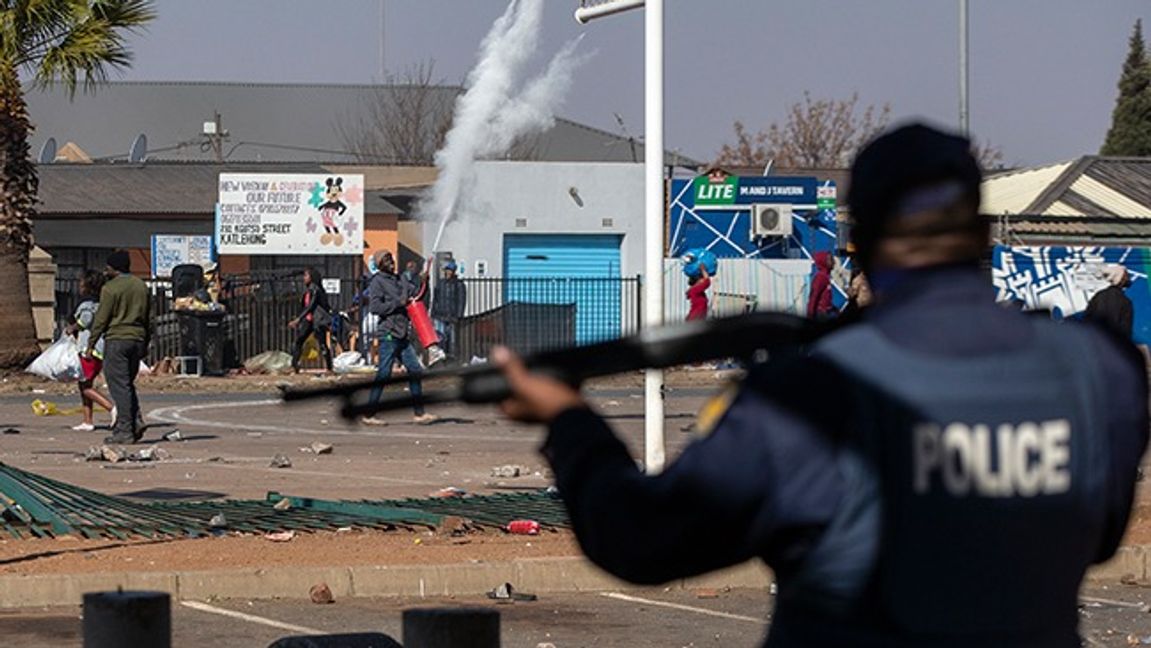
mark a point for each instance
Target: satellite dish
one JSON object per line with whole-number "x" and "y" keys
{"x": 48, "y": 151}
{"x": 139, "y": 151}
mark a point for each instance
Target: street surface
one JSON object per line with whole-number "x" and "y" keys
{"x": 230, "y": 439}
{"x": 647, "y": 618}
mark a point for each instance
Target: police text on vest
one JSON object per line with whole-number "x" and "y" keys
{"x": 1023, "y": 460}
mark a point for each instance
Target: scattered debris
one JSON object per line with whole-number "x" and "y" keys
{"x": 450, "y": 491}
{"x": 113, "y": 455}
{"x": 283, "y": 505}
{"x": 506, "y": 592}
{"x": 218, "y": 521}
{"x": 318, "y": 448}
{"x": 174, "y": 435}
{"x": 510, "y": 470}
{"x": 523, "y": 527}
{"x": 11, "y": 431}
{"x": 454, "y": 525}
{"x": 707, "y": 593}
{"x": 546, "y": 644}
{"x": 280, "y": 536}
{"x": 1142, "y": 607}
{"x": 321, "y": 594}
{"x": 1135, "y": 640}
{"x": 1128, "y": 579}
{"x": 151, "y": 453}
{"x": 255, "y": 435}
{"x": 280, "y": 461}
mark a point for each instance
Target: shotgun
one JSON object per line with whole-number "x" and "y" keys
{"x": 746, "y": 337}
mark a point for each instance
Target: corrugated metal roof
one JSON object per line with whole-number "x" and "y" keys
{"x": 155, "y": 188}
{"x": 1011, "y": 193}
{"x": 1110, "y": 198}
{"x": 1059, "y": 208}
{"x": 266, "y": 122}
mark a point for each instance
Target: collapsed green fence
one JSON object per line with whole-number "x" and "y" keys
{"x": 34, "y": 506}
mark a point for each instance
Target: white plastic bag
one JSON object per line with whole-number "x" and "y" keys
{"x": 347, "y": 361}
{"x": 61, "y": 361}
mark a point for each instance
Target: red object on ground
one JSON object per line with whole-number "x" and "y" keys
{"x": 524, "y": 527}
{"x": 422, "y": 324}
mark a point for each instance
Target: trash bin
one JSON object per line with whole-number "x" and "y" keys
{"x": 202, "y": 336}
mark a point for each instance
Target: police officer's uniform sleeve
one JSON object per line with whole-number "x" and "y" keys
{"x": 761, "y": 484}
{"x": 1125, "y": 386}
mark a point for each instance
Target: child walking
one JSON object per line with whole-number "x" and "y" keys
{"x": 90, "y": 367}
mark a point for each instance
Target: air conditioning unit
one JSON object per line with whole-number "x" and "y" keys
{"x": 771, "y": 220}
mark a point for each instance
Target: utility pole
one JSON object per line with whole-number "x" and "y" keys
{"x": 383, "y": 42}
{"x": 964, "y": 67}
{"x": 653, "y": 159}
{"x": 215, "y": 134}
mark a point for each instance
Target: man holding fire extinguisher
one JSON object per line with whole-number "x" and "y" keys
{"x": 388, "y": 298}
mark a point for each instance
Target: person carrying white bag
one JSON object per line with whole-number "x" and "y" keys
{"x": 90, "y": 366}
{"x": 60, "y": 361}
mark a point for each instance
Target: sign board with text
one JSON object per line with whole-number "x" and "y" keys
{"x": 735, "y": 192}
{"x": 290, "y": 213}
{"x": 171, "y": 250}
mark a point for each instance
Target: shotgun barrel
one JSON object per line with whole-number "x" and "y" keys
{"x": 742, "y": 337}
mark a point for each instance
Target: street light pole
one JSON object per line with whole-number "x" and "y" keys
{"x": 964, "y": 112}
{"x": 653, "y": 159}
{"x": 653, "y": 420}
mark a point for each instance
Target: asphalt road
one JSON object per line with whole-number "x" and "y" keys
{"x": 1114, "y": 616}
{"x": 230, "y": 439}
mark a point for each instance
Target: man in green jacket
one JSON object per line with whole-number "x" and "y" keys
{"x": 123, "y": 319}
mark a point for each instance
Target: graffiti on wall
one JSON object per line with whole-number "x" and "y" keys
{"x": 1063, "y": 279}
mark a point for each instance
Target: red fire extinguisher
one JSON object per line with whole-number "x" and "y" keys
{"x": 422, "y": 324}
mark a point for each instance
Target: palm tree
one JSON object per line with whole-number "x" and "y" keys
{"x": 74, "y": 43}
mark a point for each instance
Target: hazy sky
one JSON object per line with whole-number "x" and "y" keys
{"x": 1043, "y": 72}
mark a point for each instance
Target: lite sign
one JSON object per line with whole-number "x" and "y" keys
{"x": 735, "y": 192}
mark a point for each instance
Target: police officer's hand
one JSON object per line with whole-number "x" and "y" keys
{"x": 535, "y": 398}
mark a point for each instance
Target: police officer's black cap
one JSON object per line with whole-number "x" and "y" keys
{"x": 900, "y": 162}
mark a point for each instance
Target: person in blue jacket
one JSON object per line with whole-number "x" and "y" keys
{"x": 940, "y": 473}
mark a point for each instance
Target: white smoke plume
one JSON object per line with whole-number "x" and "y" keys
{"x": 498, "y": 107}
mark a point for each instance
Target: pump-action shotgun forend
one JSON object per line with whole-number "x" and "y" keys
{"x": 742, "y": 337}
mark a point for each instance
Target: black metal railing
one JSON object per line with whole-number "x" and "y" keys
{"x": 532, "y": 314}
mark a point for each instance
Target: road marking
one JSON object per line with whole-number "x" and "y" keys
{"x": 177, "y": 415}
{"x": 686, "y": 608}
{"x": 320, "y": 473}
{"x": 251, "y": 618}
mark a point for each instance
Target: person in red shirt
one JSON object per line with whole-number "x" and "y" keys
{"x": 819, "y": 301}
{"x": 697, "y": 294}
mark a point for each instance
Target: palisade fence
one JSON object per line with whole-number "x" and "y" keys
{"x": 531, "y": 314}
{"x": 526, "y": 314}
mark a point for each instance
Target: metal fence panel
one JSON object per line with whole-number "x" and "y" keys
{"x": 742, "y": 285}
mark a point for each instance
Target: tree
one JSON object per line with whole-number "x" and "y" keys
{"x": 401, "y": 122}
{"x": 72, "y": 43}
{"x": 822, "y": 134}
{"x": 405, "y": 121}
{"x": 818, "y": 134}
{"x": 1130, "y": 132}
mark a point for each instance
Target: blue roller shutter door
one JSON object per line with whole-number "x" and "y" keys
{"x": 579, "y": 269}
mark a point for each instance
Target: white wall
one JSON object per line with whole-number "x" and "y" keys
{"x": 538, "y": 192}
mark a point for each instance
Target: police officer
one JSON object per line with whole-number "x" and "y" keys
{"x": 941, "y": 473}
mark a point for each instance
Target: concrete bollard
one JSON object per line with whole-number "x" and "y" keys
{"x": 451, "y": 628}
{"x": 120, "y": 619}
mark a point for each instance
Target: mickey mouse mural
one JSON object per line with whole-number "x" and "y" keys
{"x": 332, "y": 208}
